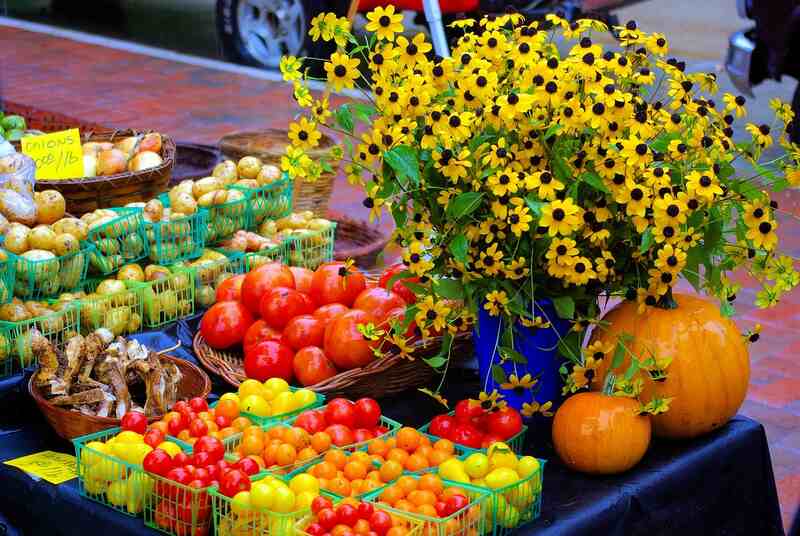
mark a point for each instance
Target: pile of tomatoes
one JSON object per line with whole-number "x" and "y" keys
{"x": 344, "y": 421}
{"x": 189, "y": 420}
{"x": 293, "y": 323}
{"x": 352, "y": 517}
{"x": 473, "y": 426}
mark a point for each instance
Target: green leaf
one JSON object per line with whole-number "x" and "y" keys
{"x": 403, "y": 160}
{"x": 535, "y": 205}
{"x": 451, "y": 289}
{"x": 662, "y": 142}
{"x": 632, "y": 369}
{"x": 725, "y": 170}
{"x": 727, "y": 309}
{"x": 560, "y": 168}
{"x": 593, "y": 179}
{"x": 363, "y": 112}
{"x": 397, "y": 277}
{"x": 400, "y": 214}
{"x": 344, "y": 117}
{"x": 463, "y": 204}
{"x": 552, "y": 129}
{"x": 436, "y": 361}
{"x": 713, "y": 234}
{"x": 694, "y": 257}
{"x": 458, "y": 246}
{"x": 569, "y": 347}
{"x": 498, "y": 374}
{"x": 416, "y": 288}
{"x": 619, "y": 355}
{"x": 565, "y": 306}
{"x": 647, "y": 240}
{"x": 509, "y": 353}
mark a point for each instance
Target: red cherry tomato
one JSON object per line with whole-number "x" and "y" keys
{"x": 212, "y": 446}
{"x": 180, "y": 459}
{"x": 312, "y": 421}
{"x": 347, "y": 514}
{"x": 361, "y": 435}
{"x": 365, "y": 510}
{"x": 181, "y": 475}
{"x": 201, "y": 459}
{"x": 231, "y": 289}
{"x": 311, "y": 366}
{"x": 260, "y": 331}
{"x": 398, "y": 287}
{"x": 467, "y": 409}
{"x": 198, "y": 404}
{"x": 281, "y": 304}
{"x": 319, "y": 503}
{"x": 441, "y": 508}
{"x": 341, "y": 411}
{"x": 154, "y": 437}
{"x": 505, "y": 423}
{"x": 345, "y": 345}
{"x": 135, "y": 421}
{"x": 225, "y": 324}
{"x": 233, "y": 482}
{"x": 198, "y": 428}
{"x": 378, "y": 302}
{"x": 181, "y": 406}
{"x": 304, "y": 330}
{"x": 367, "y": 413}
{"x": 328, "y": 312}
{"x": 315, "y": 529}
{"x": 166, "y": 516}
{"x": 442, "y": 426}
{"x": 302, "y": 278}
{"x": 259, "y": 281}
{"x": 222, "y": 421}
{"x": 248, "y": 465}
{"x": 340, "y": 434}
{"x": 468, "y": 435}
{"x": 380, "y": 522}
{"x": 488, "y": 439}
{"x": 158, "y": 462}
{"x": 327, "y": 518}
{"x": 455, "y": 503}
{"x": 268, "y": 359}
{"x": 335, "y": 283}
{"x": 175, "y": 425}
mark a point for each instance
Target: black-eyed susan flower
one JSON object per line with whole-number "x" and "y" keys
{"x": 703, "y": 184}
{"x": 489, "y": 401}
{"x": 342, "y": 71}
{"x": 412, "y": 52}
{"x": 304, "y": 134}
{"x": 580, "y": 272}
{"x": 384, "y": 22}
{"x": 762, "y": 234}
{"x": 583, "y": 374}
{"x": 290, "y": 68}
{"x": 529, "y": 410}
{"x": 561, "y": 217}
{"x": 490, "y": 260}
{"x": 496, "y": 301}
{"x": 516, "y": 269}
{"x": 519, "y": 384}
{"x": 760, "y": 133}
{"x": 670, "y": 259}
{"x": 432, "y": 313}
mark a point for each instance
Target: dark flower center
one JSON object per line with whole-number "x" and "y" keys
{"x": 558, "y": 214}
{"x": 340, "y": 71}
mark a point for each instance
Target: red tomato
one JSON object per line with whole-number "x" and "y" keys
{"x": 268, "y": 359}
{"x": 347, "y": 514}
{"x": 248, "y": 465}
{"x": 180, "y": 459}
{"x": 505, "y": 423}
{"x": 180, "y": 475}
{"x": 468, "y": 435}
{"x": 442, "y": 426}
{"x": 380, "y": 522}
{"x": 334, "y": 283}
{"x": 327, "y": 518}
{"x": 154, "y": 437}
{"x": 378, "y": 302}
{"x": 328, "y": 312}
{"x": 281, "y": 304}
{"x": 198, "y": 428}
{"x": 135, "y": 421}
{"x": 341, "y": 411}
{"x": 233, "y": 482}
{"x": 200, "y": 459}
{"x": 225, "y": 324}
{"x": 319, "y": 503}
{"x": 468, "y": 409}
{"x": 212, "y": 446}
{"x": 175, "y": 424}
{"x": 260, "y": 280}
{"x": 166, "y": 516}
{"x": 198, "y": 404}
{"x": 365, "y": 510}
{"x": 260, "y": 331}
{"x": 367, "y": 413}
{"x": 311, "y": 365}
{"x": 304, "y": 330}
{"x": 361, "y": 435}
{"x": 315, "y": 529}
{"x": 302, "y": 278}
{"x": 344, "y": 345}
{"x": 455, "y": 503}
{"x": 158, "y": 462}
{"x": 398, "y": 287}
{"x": 231, "y": 289}
{"x": 398, "y": 314}
{"x": 488, "y": 439}
{"x": 312, "y": 421}
{"x": 340, "y": 434}
{"x": 222, "y": 421}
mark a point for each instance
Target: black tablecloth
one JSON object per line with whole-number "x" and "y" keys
{"x": 719, "y": 484}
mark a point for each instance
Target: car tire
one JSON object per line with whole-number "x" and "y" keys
{"x": 286, "y": 29}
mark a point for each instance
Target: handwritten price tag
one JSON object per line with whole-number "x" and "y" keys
{"x": 57, "y": 155}
{"x": 55, "y": 467}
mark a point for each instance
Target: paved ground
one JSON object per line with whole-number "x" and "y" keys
{"x": 199, "y": 104}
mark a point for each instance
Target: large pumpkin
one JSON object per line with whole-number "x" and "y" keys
{"x": 710, "y": 369}
{"x": 600, "y": 434}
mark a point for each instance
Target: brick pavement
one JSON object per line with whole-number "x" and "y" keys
{"x": 198, "y": 104}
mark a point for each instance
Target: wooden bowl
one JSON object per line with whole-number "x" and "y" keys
{"x": 70, "y": 424}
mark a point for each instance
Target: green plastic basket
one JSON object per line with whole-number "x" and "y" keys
{"x": 9, "y": 365}
{"x": 516, "y": 442}
{"x": 208, "y": 273}
{"x": 282, "y": 417}
{"x": 472, "y": 519}
{"x": 58, "y": 327}
{"x": 34, "y": 280}
{"x": 413, "y": 524}
{"x": 271, "y": 201}
{"x": 177, "y": 509}
{"x": 121, "y": 312}
{"x": 391, "y": 425}
{"x": 119, "y": 241}
{"x": 108, "y": 479}
{"x": 309, "y": 249}
{"x": 516, "y": 504}
{"x": 168, "y": 299}
{"x": 7, "y": 278}
{"x": 279, "y": 253}
{"x": 316, "y": 461}
{"x": 227, "y": 218}
{"x": 176, "y": 240}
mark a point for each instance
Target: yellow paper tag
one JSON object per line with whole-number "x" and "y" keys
{"x": 55, "y": 467}
{"x": 57, "y": 155}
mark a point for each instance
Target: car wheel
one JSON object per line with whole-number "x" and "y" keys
{"x": 259, "y": 32}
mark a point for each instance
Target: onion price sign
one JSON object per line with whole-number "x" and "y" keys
{"x": 57, "y": 155}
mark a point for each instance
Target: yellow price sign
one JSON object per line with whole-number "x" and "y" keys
{"x": 57, "y": 155}
{"x": 55, "y": 467}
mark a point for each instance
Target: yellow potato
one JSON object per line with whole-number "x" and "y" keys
{"x": 226, "y": 172}
{"x": 153, "y": 211}
{"x": 65, "y": 244}
{"x": 249, "y": 167}
{"x": 131, "y": 272}
{"x": 77, "y": 228}
{"x": 17, "y": 239}
{"x": 268, "y": 174}
{"x": 216, "y": 197}
{"x": 50, "y": 206}
{"x": 42, "y": 237}
{"x": 206, "y": 185}
{"x": 184, "y": 203}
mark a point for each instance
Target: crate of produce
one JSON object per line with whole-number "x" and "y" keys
{"x": 224, "y": 219}
{"x": 112, "y": 304}
{"x": 119, "y": 237}
{"x": 517, "y": 503}
{"x": 423, "y": 453}
{"x": 468, "y": 513}
{"x": 178, "y": 239}
{"x": 516, "y": 442}
{"x": 344, "y": 473}
{"x": 310, "y": 248}
{"x": 211, "y": 269}
{"x": 168, "y": 299}
{"x": 394, "y": 522}
{"x": 105, "y": 477}
{"x": 7, "y": 279}
{"x": 177, "y": 509}
{"x": 269, "y": 202}
{"x": 56, "y": 320}
{"x": 9, "y": 365}
{"x": 278, "y": 253}
{"x": 40, "y": 274}
{"x": 282, "y": 407}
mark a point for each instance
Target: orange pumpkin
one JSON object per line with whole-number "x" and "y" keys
{"x": 710, "y": 369}
{"x": 600, "y": 434}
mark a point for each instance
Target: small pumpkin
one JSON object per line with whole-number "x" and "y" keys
{"x": 600, "y": 434}
{"x": 709, "y": 372}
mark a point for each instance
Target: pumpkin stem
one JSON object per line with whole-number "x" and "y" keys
{"x": 667, "y": 301}
{"x": 608, "y": 385}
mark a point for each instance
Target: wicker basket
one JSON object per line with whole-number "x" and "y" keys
{"x": 270, "y": 145}
{"x": 69, "y": 424}
{"x": 88, "y": 194}
{"x": 390, "y": 375}
{"x": 357, "y": 240}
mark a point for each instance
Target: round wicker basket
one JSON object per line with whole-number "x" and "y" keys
{"x": 357, "y": 240}
{"x": 387, "y": 376}
{"x": 270, "y": 145}
{"x": 69, "y": 424}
